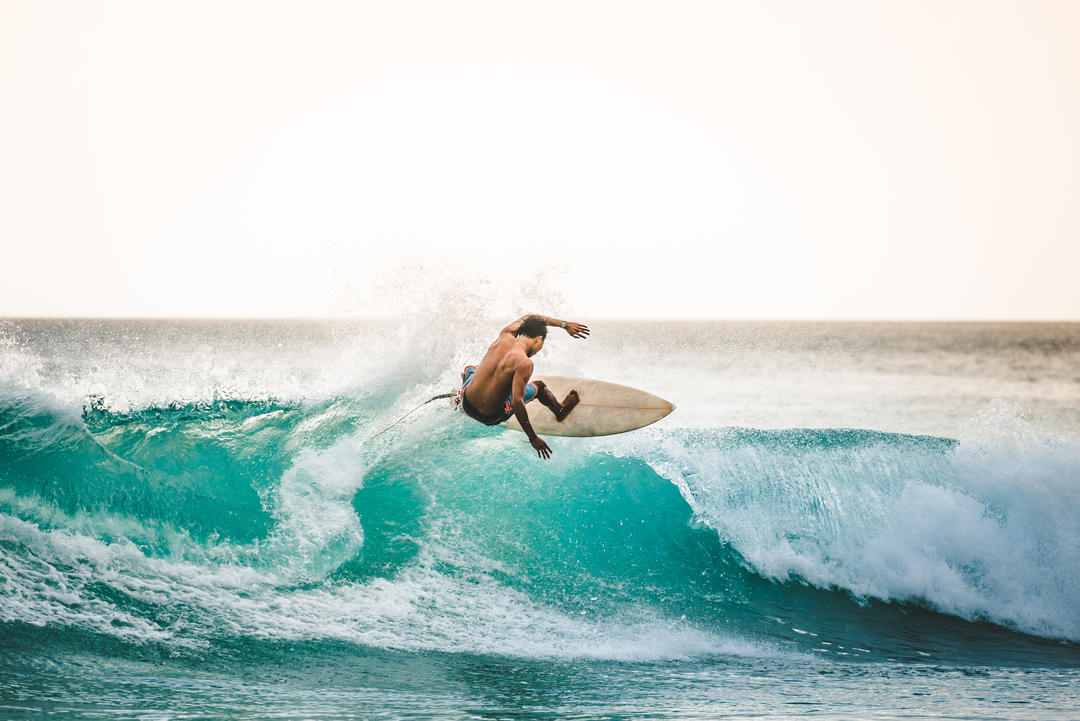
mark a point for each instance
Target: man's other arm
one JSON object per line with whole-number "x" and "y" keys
{"x": 522, "y": 373}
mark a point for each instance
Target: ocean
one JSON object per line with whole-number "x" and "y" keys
{"x": 202, "y": 520}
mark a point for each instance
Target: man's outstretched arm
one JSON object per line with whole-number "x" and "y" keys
{"x": 576, "y": 330}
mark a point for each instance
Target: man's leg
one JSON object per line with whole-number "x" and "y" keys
{"x": 561, "y": 410}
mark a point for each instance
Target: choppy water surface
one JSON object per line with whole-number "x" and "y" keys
{"x": 845, "y": 520}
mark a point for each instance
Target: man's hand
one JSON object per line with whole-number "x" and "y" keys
{"x": 541, "y": 447}
{"x": 577, "y": 330}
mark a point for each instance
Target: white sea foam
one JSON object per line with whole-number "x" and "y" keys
{"x": 424, "y": 607}
{"x": 317, "y": 529}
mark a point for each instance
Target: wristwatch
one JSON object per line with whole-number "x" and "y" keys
{"x": 564, "y": 325}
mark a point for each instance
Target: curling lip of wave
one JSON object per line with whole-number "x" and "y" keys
{"x": 985, "y": 531}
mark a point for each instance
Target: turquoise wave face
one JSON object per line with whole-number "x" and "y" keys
{"x": 198, "y": 527}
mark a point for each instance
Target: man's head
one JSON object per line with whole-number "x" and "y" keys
{"x": 533, "y": 330}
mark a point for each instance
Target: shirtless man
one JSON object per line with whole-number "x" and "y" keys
{"x": 499, "y": 387}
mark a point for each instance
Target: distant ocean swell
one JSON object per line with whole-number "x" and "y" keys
{"x": 193, "y": 524}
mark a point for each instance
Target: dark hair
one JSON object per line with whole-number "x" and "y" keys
{"x": 534, "y": 327}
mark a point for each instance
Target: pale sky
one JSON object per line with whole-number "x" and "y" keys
{"x": 847, "y": 160}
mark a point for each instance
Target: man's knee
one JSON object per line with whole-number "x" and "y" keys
{"x": 543, "y": 393}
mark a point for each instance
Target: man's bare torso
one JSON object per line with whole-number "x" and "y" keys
{"x": 493, "y": 380}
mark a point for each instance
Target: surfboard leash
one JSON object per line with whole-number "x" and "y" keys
{"x": 399, "y": 420}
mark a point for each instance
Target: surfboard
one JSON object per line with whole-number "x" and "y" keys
{"x": 605, "y": 409}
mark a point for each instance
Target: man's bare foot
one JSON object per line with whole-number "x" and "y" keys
{"x": 568, "y": 404}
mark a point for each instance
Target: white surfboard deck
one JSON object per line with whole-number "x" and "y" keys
{"x": 605, "y": 409}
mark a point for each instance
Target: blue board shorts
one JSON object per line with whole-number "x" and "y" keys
{"x": 496, "y": 418}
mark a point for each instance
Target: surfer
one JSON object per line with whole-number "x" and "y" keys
{"x": 499, "y": 387}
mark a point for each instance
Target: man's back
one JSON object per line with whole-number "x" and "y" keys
{"x": 491, "y": 384}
